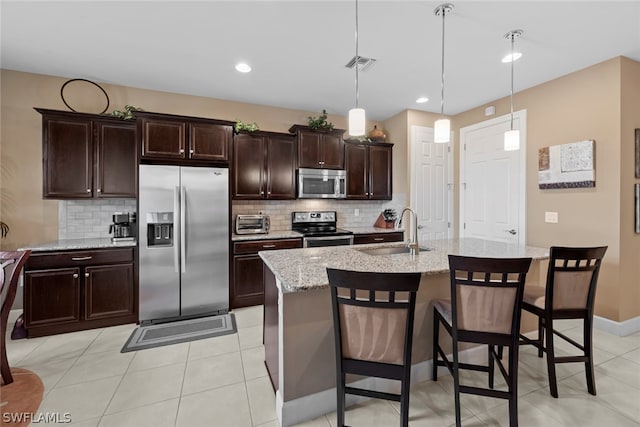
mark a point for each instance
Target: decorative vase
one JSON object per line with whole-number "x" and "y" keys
{"x": 376, "y": 134}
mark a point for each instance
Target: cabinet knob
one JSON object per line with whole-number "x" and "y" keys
{"x": 75, "y": 275}
{"x": 88, "y": 190}
{"x": 371, "y": 194}
{"x": 262, "y": 193}
{"x": 99, "y": 190}
{"x": 269, "y": 193}
{"x": 86, "y": 274}
{"x": 366, "y": 194}
{"x": 182, "y": 151}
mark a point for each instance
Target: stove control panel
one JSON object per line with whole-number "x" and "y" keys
{"x": 316, "y": 216}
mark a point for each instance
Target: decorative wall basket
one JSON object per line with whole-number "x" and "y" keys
{"x": 89, "y": 102}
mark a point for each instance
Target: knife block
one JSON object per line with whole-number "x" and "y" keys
{"x": 381, "y": 223}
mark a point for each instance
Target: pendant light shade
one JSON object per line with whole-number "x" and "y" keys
{"x": 357, "y": 115}
{"x": 512, "y": 140}
{"x": 442, "y": 126}
{"x": 512, "y": 136}
{"x": 356, "y": 122}
{"x": 442, "y": 131}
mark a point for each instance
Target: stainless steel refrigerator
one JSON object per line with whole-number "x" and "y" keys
{"x": 183, "y": 218}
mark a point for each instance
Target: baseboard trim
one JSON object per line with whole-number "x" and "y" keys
{"x": 621, "y": 329}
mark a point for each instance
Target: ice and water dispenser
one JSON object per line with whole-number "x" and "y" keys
{"x": 160, "y": 229}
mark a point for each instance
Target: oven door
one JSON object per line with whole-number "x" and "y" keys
{"x": 316, "y": 242}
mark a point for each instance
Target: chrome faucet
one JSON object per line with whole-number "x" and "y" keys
{"x": 412, "y": 244}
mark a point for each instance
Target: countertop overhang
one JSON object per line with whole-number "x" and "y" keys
{"x": 305, "y": 269}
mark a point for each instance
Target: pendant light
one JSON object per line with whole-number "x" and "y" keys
{"x": 442, "y": 126}
{"x": 512, "y": 136}
{"x": 356, "y": 115}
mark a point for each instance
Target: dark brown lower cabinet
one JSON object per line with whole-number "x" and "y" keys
{"x": 76, "y": 290}
{"x": 247, "y": 284}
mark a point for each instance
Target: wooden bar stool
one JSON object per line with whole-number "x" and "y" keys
{"x": 485, "y": 305}
{"x": 569, "y": 294}
{"x": 11, "y": 263}
{"x": 373, "y": 327}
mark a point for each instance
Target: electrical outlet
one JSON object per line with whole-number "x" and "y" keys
{"x": 551, "y": 217}
{"x": 356, "y": 212}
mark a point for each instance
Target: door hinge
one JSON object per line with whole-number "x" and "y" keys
{"x": 448, "y": 225}
{"x": 448, "y": 149}
{"x": 464, "y": 226}
{"x": 465, "y": 147}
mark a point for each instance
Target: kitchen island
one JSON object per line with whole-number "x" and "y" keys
{"x": 298, "y": 327}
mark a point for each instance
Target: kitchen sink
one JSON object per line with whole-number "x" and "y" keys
{"x": 390, "y": 250}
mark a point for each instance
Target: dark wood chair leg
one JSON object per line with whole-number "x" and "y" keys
{"x": 540, "y": 337}
{"x": 456, "y": 387}
{"x": 513, "y": 385}
{"x": 551, "y": 358}
{"x": 341, "y": 399}
{"x": 436, "y": 335}
{"x": 588, "y": 351}
{"x": 491, "y": 365}
{"x": 7, "y": 378}
{"x": 404, "y": 403}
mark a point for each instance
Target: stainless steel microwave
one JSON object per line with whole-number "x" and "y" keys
{"x": 322, "y": 184}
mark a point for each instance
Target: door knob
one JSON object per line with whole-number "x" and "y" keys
{"x": 512, "y": 232}
{"x": 420, "y": 227}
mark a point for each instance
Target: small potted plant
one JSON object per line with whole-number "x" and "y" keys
{"x": 249, "y": 127}
{"x": 320, "y": 122}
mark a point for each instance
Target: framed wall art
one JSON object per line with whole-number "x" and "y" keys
{"x": 567, "y": 165}
{"x": 637, "y": 153}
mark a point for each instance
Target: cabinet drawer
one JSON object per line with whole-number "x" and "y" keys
{"x": 265, "y": 245}
{"x": 360, "y": 239}
{"x": 78, "y": 258}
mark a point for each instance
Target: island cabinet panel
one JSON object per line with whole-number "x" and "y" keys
{"x": 369, "y": 173}
{"x": 361, "y": 239}
{"x": 319, "y": 148}
{"x": 247, "y": 283}
{"x": 264, "y": 166}
{"x": 187, "y": 140}
{"x": 69, "y": 291}
{"x": 87, "y": 156}
{"x": 270, "y": 329}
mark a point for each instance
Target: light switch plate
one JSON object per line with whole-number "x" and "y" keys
{"x": 551, "y": 217}
{"x": 356, "y": 212}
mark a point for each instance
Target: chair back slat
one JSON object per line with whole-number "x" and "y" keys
{"x": 487, "y": 300}
{"x": 572, "y": 277}
{"x": 11, "y": 263}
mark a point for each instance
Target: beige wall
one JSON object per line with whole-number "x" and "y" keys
{"x": 582, "y": 105}
{"x": 34, "y": 220}
{"x": 629, "y": 240}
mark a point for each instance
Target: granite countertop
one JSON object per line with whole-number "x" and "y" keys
{"x": 270, "y": 235}
{"x": 71, "y": 244}
{"x": 370, "y": 230}
{"x": 304, "y": 269}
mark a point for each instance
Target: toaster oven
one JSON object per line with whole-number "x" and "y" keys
{"x": 252, "y": 224}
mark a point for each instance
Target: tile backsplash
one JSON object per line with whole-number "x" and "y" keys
{"x": 279, "y": 211}
{"x": 84, "y": 219}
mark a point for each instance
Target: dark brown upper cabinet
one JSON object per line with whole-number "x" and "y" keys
{"x": 264, "y": 166}
{"x": 319, "y": 149}
{"x": 171, "y": 137}
{"x": 369, "y": 173}
{"x": 87, "y": 156}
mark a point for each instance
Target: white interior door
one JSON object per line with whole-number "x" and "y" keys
{"x": 492, "y": 193}
{"x": 431, "y": 186}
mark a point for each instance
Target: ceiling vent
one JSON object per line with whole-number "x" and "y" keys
{"x": 363, "y": 63}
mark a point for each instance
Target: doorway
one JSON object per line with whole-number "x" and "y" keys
{"x": 431, "y": 185}
{"x": 493, "y": 181}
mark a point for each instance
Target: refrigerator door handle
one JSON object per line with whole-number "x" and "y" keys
{"x": 183, "y": 228}
{"x": 176, "y": 206}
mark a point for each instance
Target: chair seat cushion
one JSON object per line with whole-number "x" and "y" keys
{"x": 534, "y": 295}
{"x": 444, "y": 308}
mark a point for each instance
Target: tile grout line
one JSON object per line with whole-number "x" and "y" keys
{"x": 115, "y": 391}
{"x": 184, "y": 377}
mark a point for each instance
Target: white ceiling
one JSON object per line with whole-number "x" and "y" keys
{"x": 298, "y": 49}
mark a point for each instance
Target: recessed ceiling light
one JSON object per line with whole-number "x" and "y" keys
{"x": 422, "y": 100}
{"x": 507, "y": 59}
{"x": 243, "y": 68}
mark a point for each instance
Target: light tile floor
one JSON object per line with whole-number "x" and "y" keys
{"x": 223, "y": 382}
